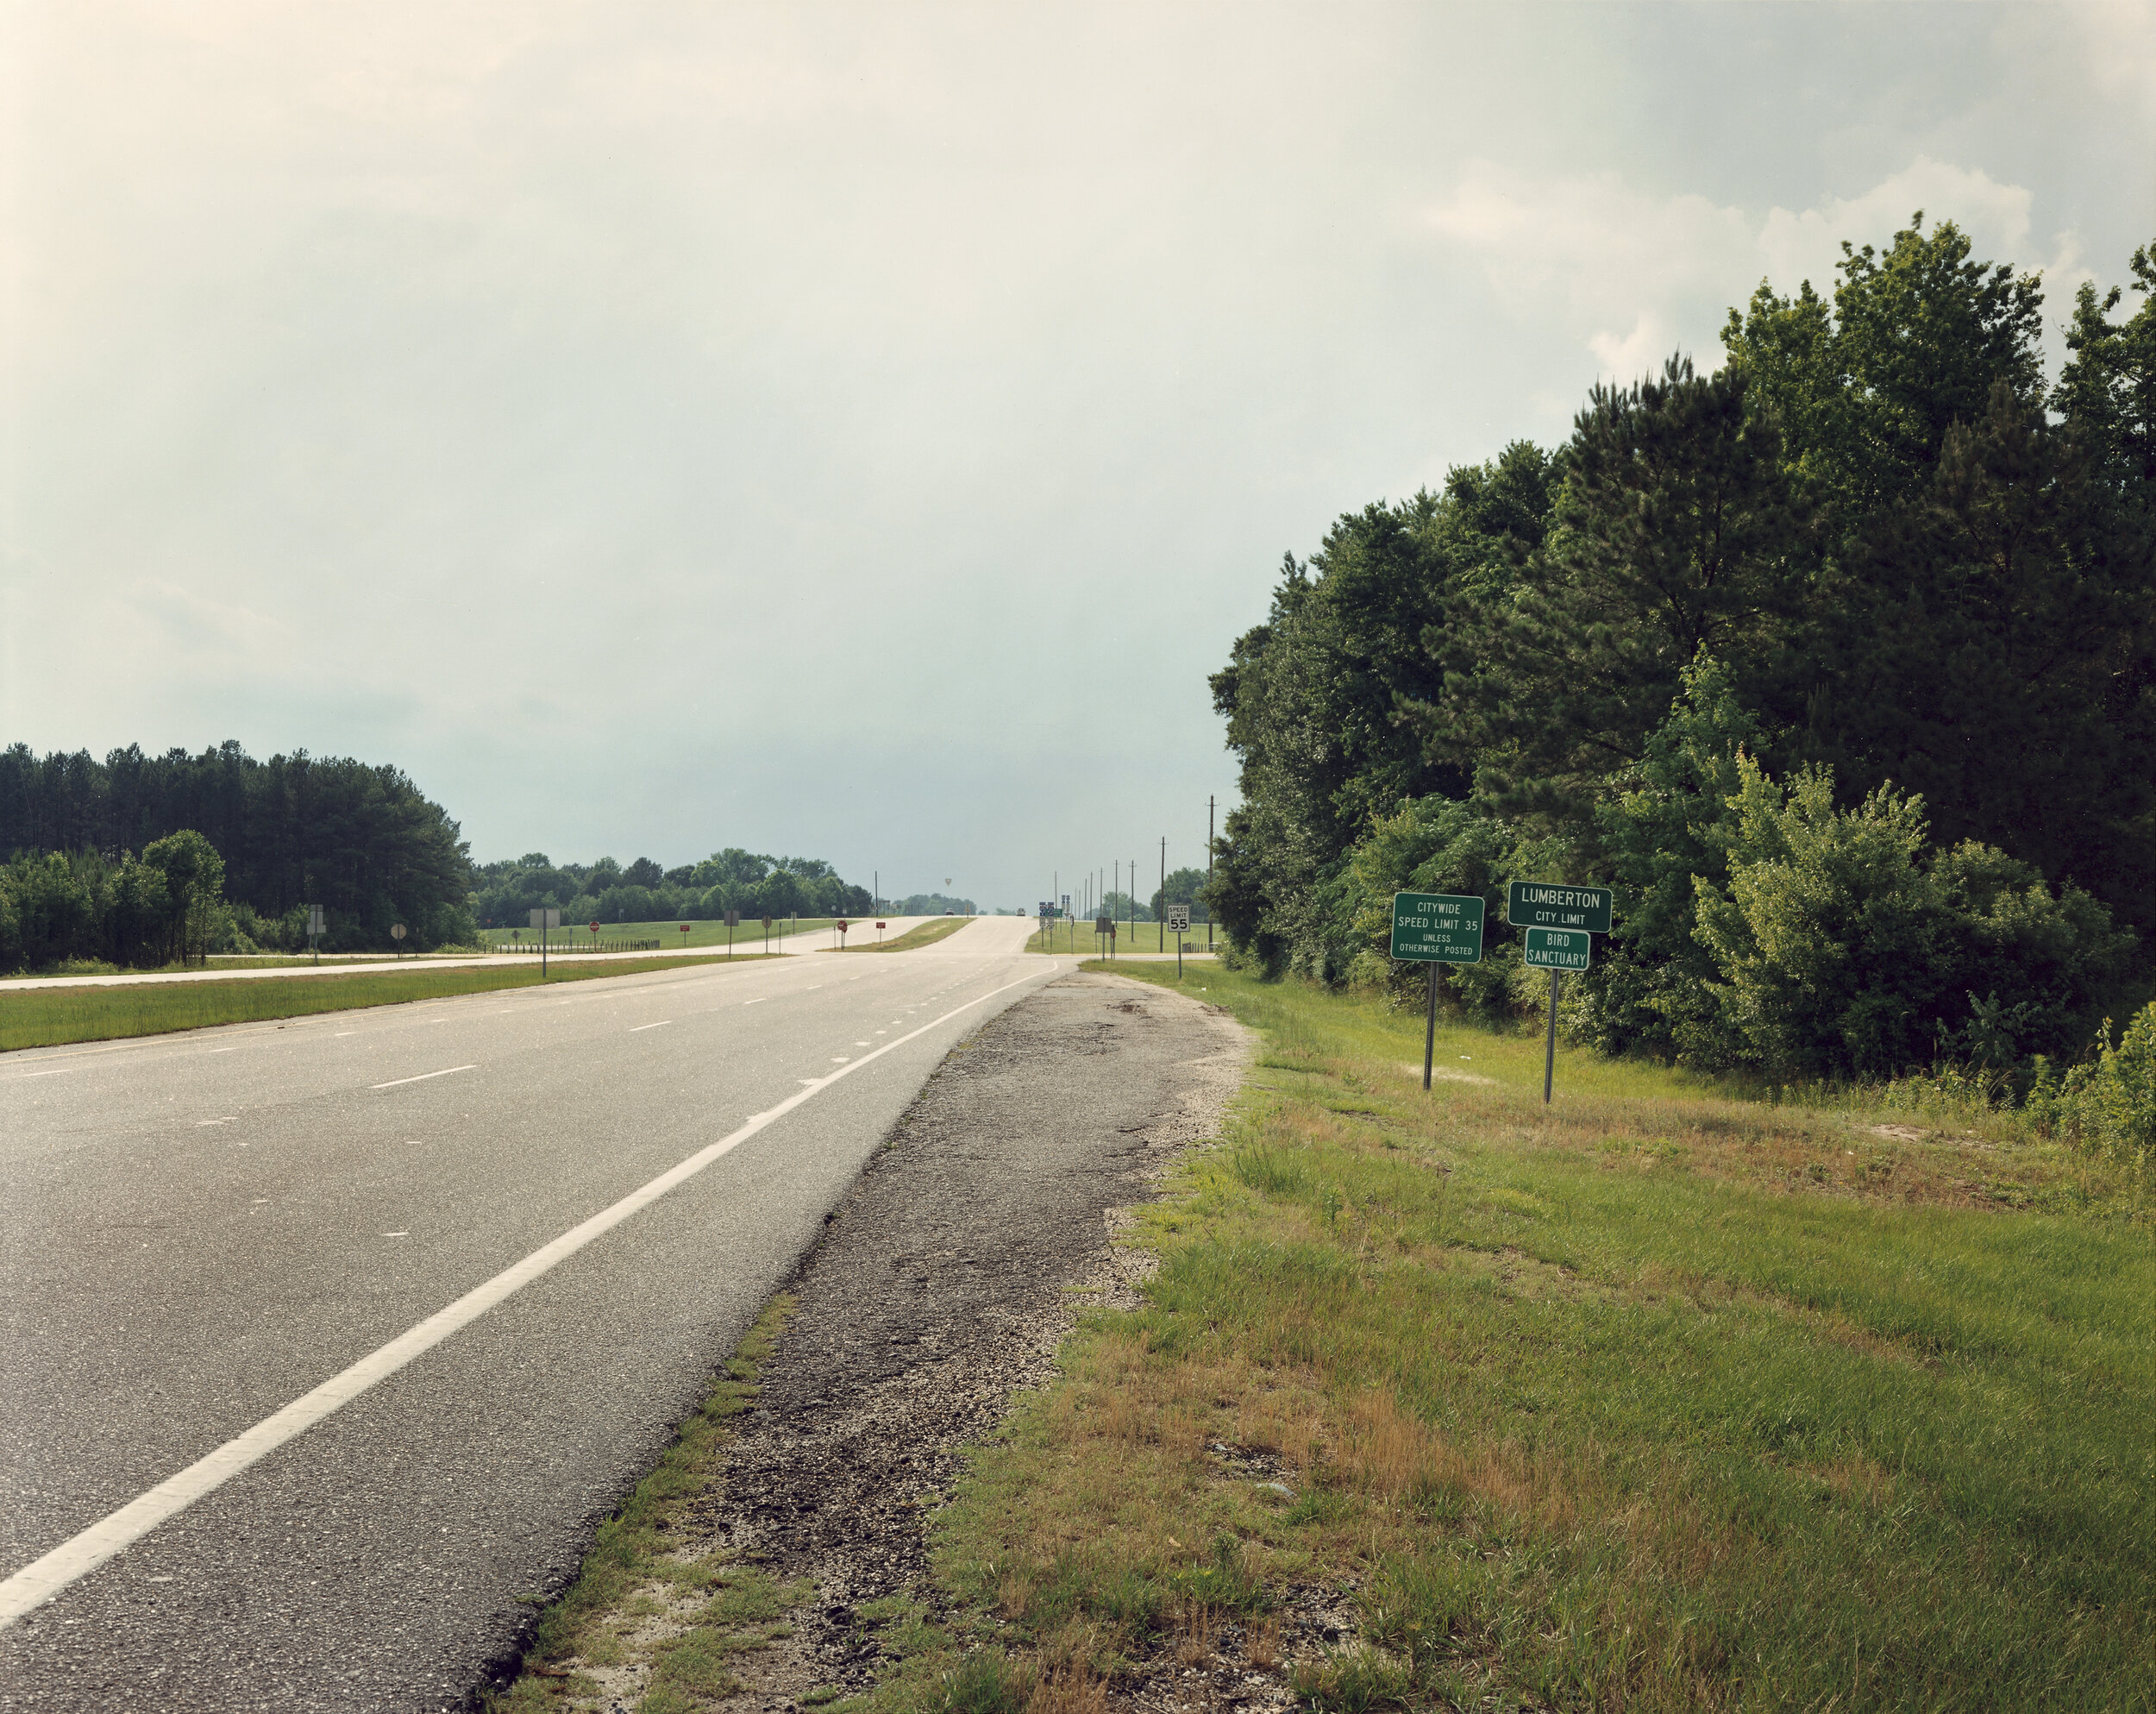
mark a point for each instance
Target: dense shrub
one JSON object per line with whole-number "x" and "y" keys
{"x": 2108, "y": 1104}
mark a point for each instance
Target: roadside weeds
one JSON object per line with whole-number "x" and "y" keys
{"x": 1655, "y": 1398}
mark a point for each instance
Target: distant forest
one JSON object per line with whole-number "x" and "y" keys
{"x": 359, "y": 839}
{"x": 931, "y": 904}
{"x": 506, "y": 892}
{"x": 1837, "y": 663}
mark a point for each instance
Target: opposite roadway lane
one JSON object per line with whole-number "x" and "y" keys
{"x": 200, "y": 1230}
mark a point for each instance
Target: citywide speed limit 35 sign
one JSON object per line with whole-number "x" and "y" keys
{"x": 1438, "y": 928}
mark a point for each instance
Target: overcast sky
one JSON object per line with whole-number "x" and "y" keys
{"x": 858, "y": 430}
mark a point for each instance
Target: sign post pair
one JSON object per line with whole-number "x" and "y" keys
{"x": 1561, "y": 923}
{"x": 1558, "y": 924}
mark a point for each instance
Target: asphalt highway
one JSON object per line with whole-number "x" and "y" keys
{"x": 198, "y": 1231}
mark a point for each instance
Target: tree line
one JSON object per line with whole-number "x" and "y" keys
{"x": 505, "y": 893}
{"x": 89, "y": 844}
{"x": 1838, "y": 663}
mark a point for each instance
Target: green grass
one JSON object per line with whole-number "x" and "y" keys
{"x": 749, "y": 934}
{"x": 1655, "y": 1398}
{"x": 635, "y": 1572}
{"x": 921, "y": 934}
{"x": 1075, "y": 934}
{"x": 51, "y": 1017}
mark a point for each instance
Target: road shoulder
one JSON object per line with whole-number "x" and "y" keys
{"x": 780, "y": 1558}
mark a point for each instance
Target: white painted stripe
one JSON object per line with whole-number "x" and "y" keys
{"x": 41, "y": 1580}
{"x": 660, "y": 1025}
{"x": 395, "y": 1082}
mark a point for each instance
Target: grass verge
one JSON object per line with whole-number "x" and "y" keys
{"x": 747, "y": 933}
{"x": 921, "y": 934}
{"x": 1656, "y": 1398}
{"x": 639, "y": 1610}
{"x": 50, "y": 1018}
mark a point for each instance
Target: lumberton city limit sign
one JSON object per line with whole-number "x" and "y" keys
{"x": 1550, "y": 904}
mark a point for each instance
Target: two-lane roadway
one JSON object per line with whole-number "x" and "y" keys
{"x": 325, "y": 1341}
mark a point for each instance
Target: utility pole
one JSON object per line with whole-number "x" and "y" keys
{"x": 1163, "y": 892}
{"x": 1208, "y": 872}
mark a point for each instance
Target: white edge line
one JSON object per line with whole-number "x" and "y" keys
{"x": 394, "y": 1082}
{"x": 660, "y": 1025}
{"x": 77, "y": 1557}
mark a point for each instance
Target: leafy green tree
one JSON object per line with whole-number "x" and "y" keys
{"x": 2106, "y": 390}
{"x": 1991, "y": 646}
{"x": 193, "y": 874}
{"x": 50, "y": 914}
{"x": 1184, "y": 886}
{"x": 643, "y": 873}
{"x": 1432, "y": 844}
{"x": 1660, "y": 826}
{"x": 1844, "y": 946}
{"x": 1675, "y": 533}
{"x": 1864, "y": 389}
{"x": 139, "y": 910}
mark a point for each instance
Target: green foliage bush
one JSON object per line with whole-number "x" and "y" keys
{"x": 165, "y": 906}
{"x": 2106, "y": 1105}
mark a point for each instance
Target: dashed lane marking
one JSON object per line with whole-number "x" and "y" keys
{"x": 80, "y": 1555}
{"x": 446, "y": 1072}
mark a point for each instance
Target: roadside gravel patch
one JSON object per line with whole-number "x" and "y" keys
{"x": 944, "y": 1283}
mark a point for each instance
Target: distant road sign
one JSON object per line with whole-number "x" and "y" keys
{"x": 314, "y": 919}
{"x": 1103, "y": 925}
{"x": 1558, "y": 949}
{"x": 594, "y": 928}
{"x": 546, "y": 919}
{"x": 1441, "y": 928}
{"x": 733, "y": 918}
{"x": 1179, "y": 919}
{"x": 1552, "y": 904}
{"x": 397, "y": 930}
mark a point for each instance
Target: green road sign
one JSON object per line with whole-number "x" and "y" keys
{"x": 1438, "y": 928}
{"x": 1552, "y": 904}
{"x": 1556, "y": 949}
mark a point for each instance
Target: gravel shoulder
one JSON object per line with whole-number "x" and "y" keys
{"x": 943, "y": 1284}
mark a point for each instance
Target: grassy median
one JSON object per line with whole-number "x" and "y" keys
{"x": 51, "y": 1017}
{"x": 703, "y": 932}
{"x": 921, "y": 934}
{"x": 1656, "y": 1398}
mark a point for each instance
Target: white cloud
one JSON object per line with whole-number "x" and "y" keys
{"x": 1634, "y": 277}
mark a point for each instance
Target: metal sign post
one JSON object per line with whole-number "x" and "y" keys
{"x": 314, "y": 931}
{"x": 396, "y": 933}
{"x": 1561, "y": 923}
{"x": 544, "y": 920}
{"x": 767, "y": 936}
{"x": 732, "y": 918}
{"x": 1178, "y": 925}
{"x": 1433, "y": 929}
